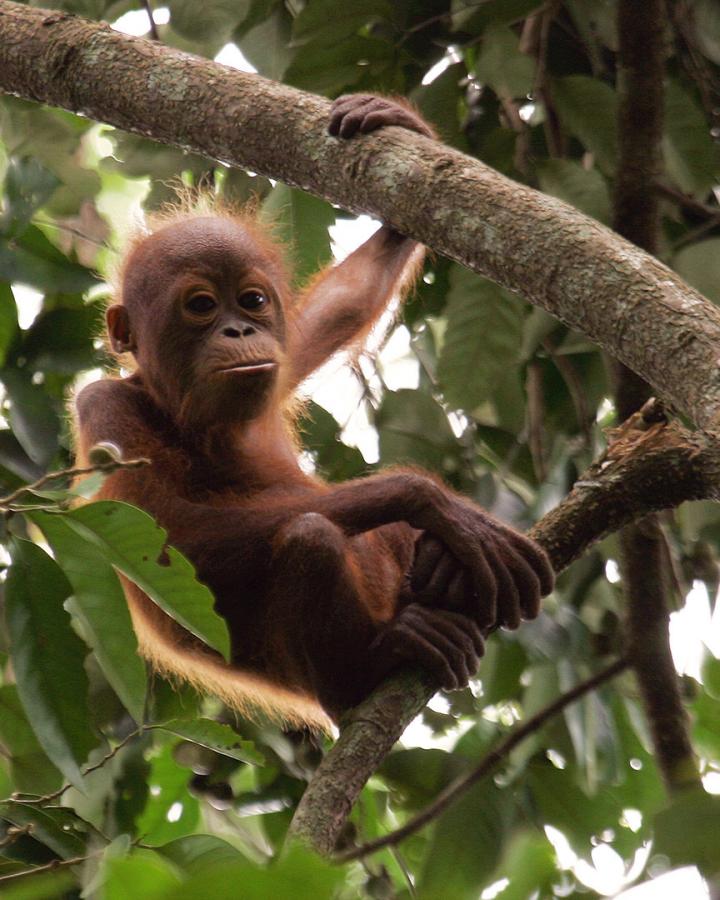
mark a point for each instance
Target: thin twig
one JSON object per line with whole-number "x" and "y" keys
{"x": 153, "y": 27}
{"x": 48, "y": 867}
{"x": 48, "y": 798}
{"x": 463, "y": 783}
{"x": 72, "y": 473}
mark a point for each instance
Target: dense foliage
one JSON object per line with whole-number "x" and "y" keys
{"x": 498, "y": 398}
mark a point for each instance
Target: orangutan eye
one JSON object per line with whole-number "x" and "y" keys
{"x": 252, "y": 300}
{"x": 201, "y": 304}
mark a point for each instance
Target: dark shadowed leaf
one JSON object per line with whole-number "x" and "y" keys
{"x": 302, "y": 223}
{"x": 585, "y": 189}
{"x": 691, "y": 157}
{"x": 482, "y": 340}
{"x": 588, "y": 109}
{"x": 8, "y": 320}
{"x": 467, "y": 844}
{"x": 32, "y": 771}
{"x": 699, "y": 265}
{"x": 413, "y": 427}
{"x": 32, "y": 416}
{"x": 48, "y": 658}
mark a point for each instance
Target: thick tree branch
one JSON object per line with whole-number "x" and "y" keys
{"x": 650, "y": 465}
{"x": 644, "y": 553}
{"x": 572, "y": 266}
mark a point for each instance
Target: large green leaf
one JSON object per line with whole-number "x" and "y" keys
{"x": 129, "y": 539}
{"x": 588, "y": 109}
{"x": 32, "y": 416}
{"x": 585, "y": 189}
{"x": 65, "y": 833}
{"x": 32, "y": 771}
{"x": 321, "y": 435}
{"x": 168, "y": 789}
{"x": 32, "y": 259}
{"x": 301, "y": 222}
{"x": 413, "y": 428}
{"x": 215, "y": 736}
{"x": 687, "y": 832}
{"x": 61, "y": 340}
{"x": 8, "y": 320}
{"x": 501, "y": 64}
{"x": 482, "y": 340}
{"x": 699, "y": 265}
{"x": 326, "y": 21}
{"x": 48, "y": 658}
{"x": 28, "y": 185}
{"x": 691, "y": 157}
{"x": 99, "y": 604}
{"x": 207, "y": 21}
{"x": 467, "y": 844}
{"x": 332, "y": 69}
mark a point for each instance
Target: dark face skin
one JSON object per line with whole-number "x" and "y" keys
{"x": 203, "y": 314}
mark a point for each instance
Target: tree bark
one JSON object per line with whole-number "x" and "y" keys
{"x": 576, "y": 269}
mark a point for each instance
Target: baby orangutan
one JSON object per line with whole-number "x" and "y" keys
{"x": 325, "y": 588}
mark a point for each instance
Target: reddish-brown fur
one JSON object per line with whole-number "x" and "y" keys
{"x": 325, "y": 589}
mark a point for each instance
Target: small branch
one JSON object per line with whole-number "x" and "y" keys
{"x": 153, "y": 27}
{"x": 490, "y": 761}
{"x": 685, "y": 201}
{"x": 650, "y": 465}
{"x": 108, "y": 467}
{"x": 47, "y": 867}
{"x": 48, "y": 798}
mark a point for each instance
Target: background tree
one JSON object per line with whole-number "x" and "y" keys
{"x": 502, "y": 400}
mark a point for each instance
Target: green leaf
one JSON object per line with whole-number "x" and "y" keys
{"x": 332, "y": 69}
{"x": 585, "y": 189}
{"x": 482, "y": 340}
{"x": 14, "y": 458}
{"x": 321, "y": 435}
{"x": 8, "y": 320}
{"x": 207, "y": 21}
{"x": 200, "y": 853}
{"x": 99, "y": 604}
{"x": 266, "y": 45}
{"x": 301, "y": 222}
{"x": 32, "y": 771}
{"x": 509, "y": 72}
{"x": 217, "y": 737}
{"x": 692, "y": 159}
{"x": 326, "y": 22}
{"x": 706, "y": 31}
{"x": 168, "y": 783}
{"x": 44, "y": 886}
{"x": 699, "y": 265}
{"x": 144, "y": 874}
{"x": 467, "y": 844}
{"x": 413, "y": 427}
{"x": 48, "y": 658}
{"x": 32, "y": 416}
{"x": 529, "y": 865}
{"x": 588, "y": 109}
{"x": 298, "y": 873}
{"x": 61, "y": 340}
{"x": 32, "y": 259}
{"x": 130, "y": 540}
{"x": 62, "y": 830}
{"x": 687, "y": 832}
{"x": 28, "y": 185}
